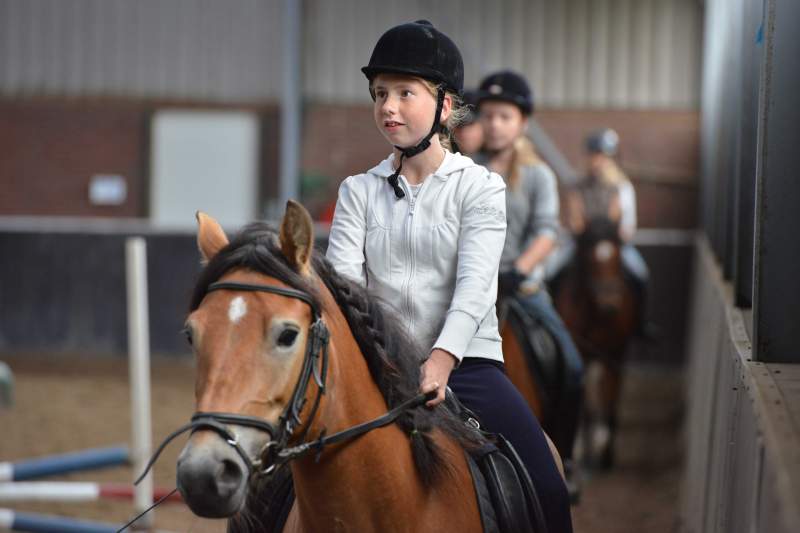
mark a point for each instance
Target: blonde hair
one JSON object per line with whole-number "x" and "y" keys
{"x": 524, "y": 155}
{"x": 610, "y": 174}
{"x": 458, "y": 113}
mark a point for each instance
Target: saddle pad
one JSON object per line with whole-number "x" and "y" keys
{"x": 505, "y": 489}
{"x": 485, "y": 505}
{"x": 542, "y": 354}
{"x": 501, "y": 473}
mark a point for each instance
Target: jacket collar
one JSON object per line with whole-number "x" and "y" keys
{"x": 451, "y": 163}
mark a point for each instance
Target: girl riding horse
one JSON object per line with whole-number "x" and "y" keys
{"x": 505, "y": 102}
{"x": 608, "y": 193}
{"x": 424, "y": 230}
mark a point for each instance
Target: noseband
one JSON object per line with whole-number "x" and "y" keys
{"x": 315, "y": 364}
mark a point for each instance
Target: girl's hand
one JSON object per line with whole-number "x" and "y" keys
{"x": 435, "y": 373}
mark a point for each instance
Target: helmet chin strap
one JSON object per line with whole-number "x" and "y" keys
{"x": 419, "y": 148}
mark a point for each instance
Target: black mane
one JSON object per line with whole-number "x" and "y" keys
{"x": 393, "y": 358}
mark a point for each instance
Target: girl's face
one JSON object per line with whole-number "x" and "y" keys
{"x": 597, "y": 162}
{"x": 502, "y": 123}
{"x": 404, "y": 109}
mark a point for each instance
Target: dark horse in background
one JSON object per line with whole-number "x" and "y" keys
{"x": 597, "y": 303}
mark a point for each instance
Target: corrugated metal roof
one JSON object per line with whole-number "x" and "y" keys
{"x": 577, "y": 53}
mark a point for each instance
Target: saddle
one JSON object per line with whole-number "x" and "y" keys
{"x": 507, "y": 499}
{"x": 506, "y": 496}
{"x": 542, "y": 354}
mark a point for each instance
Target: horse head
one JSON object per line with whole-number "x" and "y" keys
{"x": 599, "y": 257}
{"x": 249, "y": 343}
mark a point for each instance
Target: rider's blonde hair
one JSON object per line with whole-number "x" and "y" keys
{"x": 610, "y": 173}
{"x": 524, "y": 155}
{"x": 458, "y": 113}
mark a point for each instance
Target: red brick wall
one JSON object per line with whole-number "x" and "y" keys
{"x": 51, "y": 148}
{"x": 660, "y": 151}
{"x": 49, "y": 151}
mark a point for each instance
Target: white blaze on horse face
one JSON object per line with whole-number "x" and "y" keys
{"x": 237, "y": 309}
{"x": 603, "y": 251}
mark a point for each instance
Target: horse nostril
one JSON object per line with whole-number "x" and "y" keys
{"x": 230, "y": 478}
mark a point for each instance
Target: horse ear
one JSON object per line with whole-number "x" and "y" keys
{"x": 297, "y": 237}
{"x": 210, "y": 237}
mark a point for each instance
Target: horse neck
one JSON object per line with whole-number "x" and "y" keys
{"x": 369, "y": 467}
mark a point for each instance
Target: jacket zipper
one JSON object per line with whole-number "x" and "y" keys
{"x": 411, "y": 248}
{"x": 412, "y": 202}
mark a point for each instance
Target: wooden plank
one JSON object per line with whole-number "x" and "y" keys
{"x": 704, "y": 360}
{"x": 750, "y": 447}
{"x": 784, "y": 371}
{"x": 743, "y": 481}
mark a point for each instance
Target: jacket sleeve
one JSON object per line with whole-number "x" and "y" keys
{"x": 348, "y": 231}
{"x": 627, "y": 201}
{"x": 480, "y": 243}
{"x": 544, "y": 204}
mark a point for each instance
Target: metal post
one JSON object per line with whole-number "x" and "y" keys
{"x": 776, "y": 305}
{"x": 139, "y": 372}
{"x": 751, "y": 49}
{"x": 290, "y": 104}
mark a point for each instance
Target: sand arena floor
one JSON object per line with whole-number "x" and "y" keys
{"x": 66, "y": 404}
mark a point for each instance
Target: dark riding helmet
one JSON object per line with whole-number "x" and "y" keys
{"x": 604, "y": 141}
{"x": 507, "y": 86}
{"x": 418, "y": 49}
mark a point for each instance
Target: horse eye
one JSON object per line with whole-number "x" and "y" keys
{"x": 187, "y": 332}
{"x": 287, "y": 337}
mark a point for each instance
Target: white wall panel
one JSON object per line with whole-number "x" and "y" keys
{"x": 597, "y": 91}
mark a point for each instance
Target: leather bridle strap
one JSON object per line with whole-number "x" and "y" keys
{"x": 287, "y": 454}
{"x": 214, "y": 421}
{"x": 283, "y": 291}
{"x": 278, "y": 453}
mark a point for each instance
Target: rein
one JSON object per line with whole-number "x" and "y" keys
{"x": 315, "y": 365}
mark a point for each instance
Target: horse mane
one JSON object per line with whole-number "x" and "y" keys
{"x": 393, "y": 358}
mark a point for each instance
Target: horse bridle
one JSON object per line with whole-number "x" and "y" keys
{"x": 315, "y": 364}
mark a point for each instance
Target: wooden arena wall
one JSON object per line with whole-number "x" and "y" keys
{"x": 742, "y": 470}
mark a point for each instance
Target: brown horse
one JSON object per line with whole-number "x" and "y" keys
{"x": 267, "y": 393}
{"x": 599, "y": 309}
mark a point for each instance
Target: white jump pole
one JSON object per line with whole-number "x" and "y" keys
{"x": 139, "y": 372}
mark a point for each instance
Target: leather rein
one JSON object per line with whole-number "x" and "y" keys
{"x": 277, "y": 451}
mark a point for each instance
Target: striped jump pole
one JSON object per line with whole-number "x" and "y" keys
{"x": 75, "y": 491}
{"x": 38, "y": 523}
{"x": 64, "y": 463}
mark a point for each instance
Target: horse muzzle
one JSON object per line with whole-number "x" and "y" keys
{"x": 212, "y": 477}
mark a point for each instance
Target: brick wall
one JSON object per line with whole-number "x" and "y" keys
{"x": 49, "y": 151}
{"x": 51, "y": 148}
{"x": 660, "y": 151}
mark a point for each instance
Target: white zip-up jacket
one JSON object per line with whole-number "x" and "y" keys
{"x": 433, "y": 256}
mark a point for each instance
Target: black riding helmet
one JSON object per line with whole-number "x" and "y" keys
{"x": 507, "y": 86}
{"x": 418, "y": 49}
{"x": 604, "y": 141}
